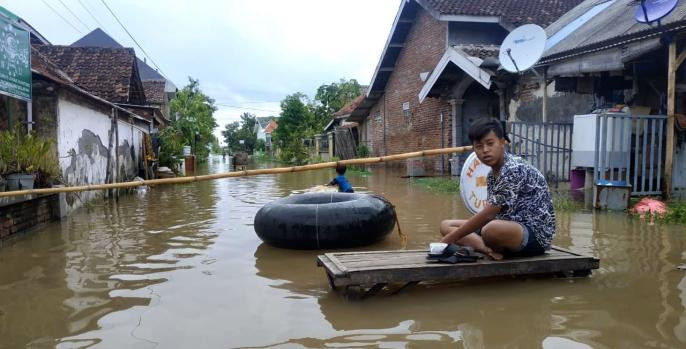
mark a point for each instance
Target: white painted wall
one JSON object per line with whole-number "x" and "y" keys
{"x": 80, "y": 132}
{"x": 83, "y": 147}
{"x": 260, "y": 133}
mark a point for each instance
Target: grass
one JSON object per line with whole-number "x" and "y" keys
{"x": 263, "y": 156}
{"x": 676, "y": 212}
{"x": 439, "y": 184}
{"x": 562, "y": 202}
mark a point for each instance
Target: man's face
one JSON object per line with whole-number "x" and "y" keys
{"x": 490, "y": 149}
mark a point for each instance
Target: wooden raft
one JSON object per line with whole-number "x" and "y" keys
{"x": 354, "y": 271}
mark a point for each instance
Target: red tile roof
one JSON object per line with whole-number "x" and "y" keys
{"x": 515, "y": 12}
{"x": 109, "y": 73}
{"x": 348, "y": 108}
{"x": 271, "y": 126}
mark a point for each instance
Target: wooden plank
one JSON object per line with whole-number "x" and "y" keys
{"x": 376, "y": 267}
{"x": 671, "y": 107}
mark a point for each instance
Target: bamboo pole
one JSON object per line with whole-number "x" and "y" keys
{"x": 245, "y": 173}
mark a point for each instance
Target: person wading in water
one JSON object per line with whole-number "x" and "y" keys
{"x": 518, "y": 219}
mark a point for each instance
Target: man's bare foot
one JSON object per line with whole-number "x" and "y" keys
{"x": 494, "y": 255}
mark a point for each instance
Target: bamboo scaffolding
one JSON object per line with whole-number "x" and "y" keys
{"x": 245, "y": 173}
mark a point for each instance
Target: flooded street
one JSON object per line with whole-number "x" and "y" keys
{"x": 181, "y": 267}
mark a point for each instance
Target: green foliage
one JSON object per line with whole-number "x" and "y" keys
{"x": 676, "y": 212}
{"x": 295, "y": 124}
{"x": 260, "y": 145}
{"x": 439, "y": 184}
{"x": 172, "y": 141}
{"x": 192, "y": 114}
{"x": 244, "y": 130}
{"x": 22, "y": 152}
{"x": 362, "y": 151}
{"x": 215, "y": 147}
{"x": 562, "y": 202}
{"x": 263, "y": 156}
{"x": 331, "y": 98}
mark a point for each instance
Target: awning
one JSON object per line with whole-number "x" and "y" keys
{"x": 607, "y": 60}
{"x": 455, "y": 58}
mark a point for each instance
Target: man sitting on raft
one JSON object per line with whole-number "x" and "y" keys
{"x": 518, "y": 219}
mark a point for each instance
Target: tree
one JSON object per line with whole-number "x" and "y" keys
{"x": 295, "y": 124}
{"x": 332, "y": 97}
{"x": 244, "y": 130}
{"x": 192, "y": 114}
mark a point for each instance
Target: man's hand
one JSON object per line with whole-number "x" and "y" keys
{"x": 471, "y": 225}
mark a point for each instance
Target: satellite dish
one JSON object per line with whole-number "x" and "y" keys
{"x": 522, "y": 48}
{"x": 473, "y": 184}
{"x": 649, "y": 11}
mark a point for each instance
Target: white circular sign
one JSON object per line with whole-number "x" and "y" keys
{"x": 473, "y": 183}
{"x": 522, "y": 48}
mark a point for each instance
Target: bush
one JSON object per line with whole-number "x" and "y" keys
{"x": 439, "y": 184}
{"x": 171, "y": 147}
{"x": 260, "y": 145}
{"x": 362, "y": 151}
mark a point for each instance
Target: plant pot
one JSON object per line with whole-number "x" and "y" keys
{"x": 19, "y": 181}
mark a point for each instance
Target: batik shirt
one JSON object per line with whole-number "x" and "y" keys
{"x": 523, "y": 193}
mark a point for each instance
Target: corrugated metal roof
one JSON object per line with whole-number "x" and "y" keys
{"x": 611, "y": 26}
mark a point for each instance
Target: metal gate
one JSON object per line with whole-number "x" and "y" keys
{"x": 547, "y": 146}
{"x": 628, "y": 149}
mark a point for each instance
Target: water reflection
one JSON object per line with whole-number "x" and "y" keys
{"x": 181, "y": 267}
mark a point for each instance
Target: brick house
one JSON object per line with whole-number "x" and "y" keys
{"x": 413, "y": 102}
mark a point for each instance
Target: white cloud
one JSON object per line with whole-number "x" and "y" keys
{"x": 246, "y": 53}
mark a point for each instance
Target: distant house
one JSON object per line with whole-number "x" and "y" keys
{"x": 413, "y": 102}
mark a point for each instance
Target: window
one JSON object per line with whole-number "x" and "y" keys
{"x": 406, "y": 111}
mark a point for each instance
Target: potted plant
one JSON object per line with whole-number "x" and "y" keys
{"x": 27, "y": 155}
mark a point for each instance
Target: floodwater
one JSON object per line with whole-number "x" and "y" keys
{"x": 181, "y": 267}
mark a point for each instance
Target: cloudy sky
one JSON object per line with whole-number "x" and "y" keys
{"x": 248, "y": 54}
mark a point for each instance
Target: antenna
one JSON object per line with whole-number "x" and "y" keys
{"x": 650, "y": 11}
{"x": 522, "y": 48}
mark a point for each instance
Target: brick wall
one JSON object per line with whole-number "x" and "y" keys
{"x": 21, "y": 216}
{"x": 424, "y": 47}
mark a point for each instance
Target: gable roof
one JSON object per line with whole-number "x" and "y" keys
{"x": 507, "y": 13}
{"x": 271, "y": 126}
{"x": 615, "y": 25}
{"x": 154, "y": 91}
{"x": 110, "y": 73}
{"x": 348, "y": 108}
{"x": 43, "y": 66}
{"x": 98, "y": 38}
{"x": 263, "y": 121}
{"x": 512, "y": 12}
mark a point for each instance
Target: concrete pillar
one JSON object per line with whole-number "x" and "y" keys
{"x": 317, "y": 144}
{"x": 456, "y": 111}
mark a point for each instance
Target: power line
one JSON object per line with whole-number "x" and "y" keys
{"x": 73, "y": 14}
{"x": 92, "y": 16}
{"x": 247, "y": 108}
{"x": 132, "y": 38}
{"x": 59, "y": 15}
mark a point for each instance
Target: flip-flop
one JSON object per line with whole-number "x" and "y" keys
{"x": 455, "y": 254}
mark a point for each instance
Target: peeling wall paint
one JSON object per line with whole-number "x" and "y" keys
{"x": 84, "y": 135}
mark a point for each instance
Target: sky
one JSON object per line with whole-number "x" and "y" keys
{"x": 248, "y": 54}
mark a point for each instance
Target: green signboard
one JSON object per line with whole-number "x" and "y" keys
{"x": 15, "y": 61}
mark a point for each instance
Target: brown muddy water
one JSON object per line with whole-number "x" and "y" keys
{"x": 181, "y": 267}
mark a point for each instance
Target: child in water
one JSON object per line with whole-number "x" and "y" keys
{"x": 340, "y": 180}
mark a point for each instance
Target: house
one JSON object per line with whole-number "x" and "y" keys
{"x": 264, "y": 128}
{"x": 431, "y": 41}
{"x": 158, "y": 89}
{"x": 598, "y": 57}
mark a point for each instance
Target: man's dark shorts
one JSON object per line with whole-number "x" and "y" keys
{"x": 530, "y": 246}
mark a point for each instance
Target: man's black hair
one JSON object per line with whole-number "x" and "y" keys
{"x": 483, "y": 126}
{"x": 340, "y": 169}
